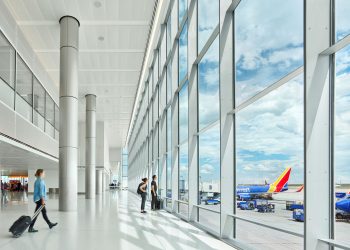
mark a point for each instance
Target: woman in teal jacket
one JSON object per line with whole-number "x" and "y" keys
{"x": 39, "y": 199}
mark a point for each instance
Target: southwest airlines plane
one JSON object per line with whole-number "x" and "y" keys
{"x": 245, "y": 192}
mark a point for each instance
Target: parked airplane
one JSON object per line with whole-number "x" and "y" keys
{"x": 247, "y": 192}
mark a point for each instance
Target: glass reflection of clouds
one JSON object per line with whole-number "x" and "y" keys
{"x": 269, "y": 136}
{"x": 208, "y": 19}
{"x": 342, "y": 117}
{"x": 183, "y": 113}
{"x": 182, "y": 9}
{"x": 183, "y": 53}
{"x": 342, "y": 20}
{"x": 208, "y": 86}
{"x": 209, "y": 155}
{"x": 261, "y": 60}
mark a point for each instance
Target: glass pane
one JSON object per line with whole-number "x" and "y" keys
{"x": 169, "y": 85}
{"x": 39, "y": 97}
{"x": 342, "y": 144}
{"x": 208, "y": 86}
{"x": 39, "y": 120}
{"x": 7, "y": 61}
{"x": 57, "y": 118}
{"x": 183, "y": 209}
{"x": 210, "y": 219}
{"x": 50, "y": 110}
{"x": 209, "y": 167}
{"x": 342, "y": 20}
{"x": 182, "y": 9}
{"x": 163, "y": 53}
{"x": 155, "y": 70}
{"x": 6, "y": 94}
{"x": 270, "y": 156}
{"x": 208, "y": 19}
{"x": 169, "y": 154}
{"x": 169, "y": 41}
{"x": 23, "y": 108}
{"x": 183, "y": 54}
{"x": 183, "y": 172}
{"x": 24, "y": 81}
{"x": 265, "y": 238}
{"x": 183, "y": 113}
{"x": 260, "y": 60}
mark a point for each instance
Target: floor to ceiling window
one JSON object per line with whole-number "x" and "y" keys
{"x": 269, "y": 155}
{"x": 342, "y": 124}
{"x": 183, "y": 150}
{"x": 260, "y": 127}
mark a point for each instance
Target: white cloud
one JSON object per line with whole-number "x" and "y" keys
{"x": 206, "y": 169}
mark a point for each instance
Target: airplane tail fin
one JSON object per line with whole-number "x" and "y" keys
{"x": 300, "y": 189}
{"x": 281, "y": 181}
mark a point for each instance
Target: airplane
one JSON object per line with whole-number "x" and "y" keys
{"x": 248, "y": 192}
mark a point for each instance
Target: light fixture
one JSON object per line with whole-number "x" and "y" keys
{"x": 101, "y": 38}
{"x": 97, "y": 4}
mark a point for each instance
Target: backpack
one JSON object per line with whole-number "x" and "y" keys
{"x": 138, "y": 189}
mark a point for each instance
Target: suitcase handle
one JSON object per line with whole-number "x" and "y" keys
{"x": 37, "y": 212}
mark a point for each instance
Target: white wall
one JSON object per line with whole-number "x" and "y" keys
{"x": 51, "y": 179}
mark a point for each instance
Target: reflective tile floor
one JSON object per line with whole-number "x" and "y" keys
{"x": 112, "y": 221}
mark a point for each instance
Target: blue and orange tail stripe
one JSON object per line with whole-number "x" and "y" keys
{"x": 281, "y": 181}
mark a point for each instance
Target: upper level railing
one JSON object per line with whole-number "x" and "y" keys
{"x": 21, "y": 91}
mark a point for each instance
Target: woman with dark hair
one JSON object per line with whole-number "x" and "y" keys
{"x": 143, "y": 192}
{"x": 154, "y": 192}
{"x": 39, "y": 199}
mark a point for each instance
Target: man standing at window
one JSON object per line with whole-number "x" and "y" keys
{"x": 154, "y": 192}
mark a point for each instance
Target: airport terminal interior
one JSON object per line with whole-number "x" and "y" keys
{"x": 236, "y": 111}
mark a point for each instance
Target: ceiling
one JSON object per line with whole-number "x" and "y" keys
{"x": 112, "y": 43}
{"x": 16, "y": 161}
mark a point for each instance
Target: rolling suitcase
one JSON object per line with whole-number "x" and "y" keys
{"x": 21, "y": 225}
{"x": 159, "y": 204}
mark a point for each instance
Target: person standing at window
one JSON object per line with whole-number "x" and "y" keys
{"x": 39, "y": 199}
{"x": 142, "y": 190}
{"x": 154, "y": 192}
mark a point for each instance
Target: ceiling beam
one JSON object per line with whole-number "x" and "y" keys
{"x": 93, "y": 51}
{"x": 100, "y": 70}
{"x": 85, "y": 23}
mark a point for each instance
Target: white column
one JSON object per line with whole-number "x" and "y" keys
{"x": 68, "y": 141}
{"x": 317, "y": 129}
{"x": 99, "y": 181}
{"x": 90, "y": 152}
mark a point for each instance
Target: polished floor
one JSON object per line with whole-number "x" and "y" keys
{"x": 112, "y": 221}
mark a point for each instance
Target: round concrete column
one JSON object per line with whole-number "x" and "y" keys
{"x": 99, "y": 177}
{"x": 90, "y": 151}
{"x": 68, "y": 141}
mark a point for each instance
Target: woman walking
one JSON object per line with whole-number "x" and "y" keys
{"x": 39, "y": 199}
{"x": 143, "y": 192}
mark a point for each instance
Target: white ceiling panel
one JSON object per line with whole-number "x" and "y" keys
{"x": 112, "y": 42}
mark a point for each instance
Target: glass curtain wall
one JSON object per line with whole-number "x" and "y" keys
{"x": 256, "y": 50}
{"x": 7, "y": 71}
{"x": 21, "y": 91}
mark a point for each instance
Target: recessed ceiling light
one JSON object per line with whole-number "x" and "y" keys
{"x": 97, "y": 4}
{"x": 101, "y": 38}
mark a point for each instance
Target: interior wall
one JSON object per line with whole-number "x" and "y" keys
{"x": 51, "y": 179}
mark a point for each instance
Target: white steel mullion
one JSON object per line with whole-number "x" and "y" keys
{"x": 317, "y": 124}
{"x": 193, "y": 114}
{"x": 175, "y": 122}
{"x": 227, "y": 182}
